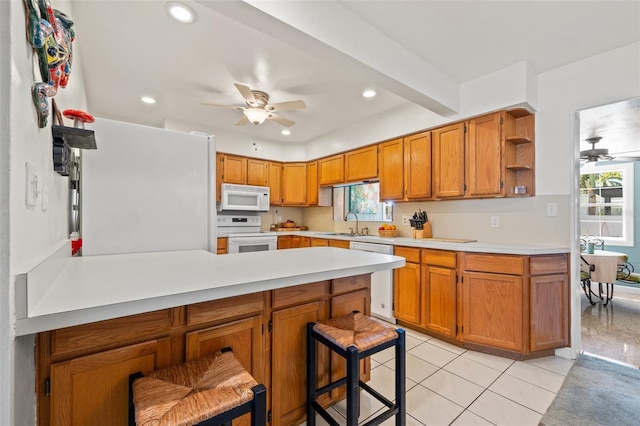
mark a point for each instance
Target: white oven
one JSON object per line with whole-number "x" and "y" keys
{"x": 243, "y": 233}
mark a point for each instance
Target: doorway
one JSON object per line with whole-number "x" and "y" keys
{"x": 608, "y": 136}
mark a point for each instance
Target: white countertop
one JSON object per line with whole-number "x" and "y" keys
{"x": 435, "y": 243}
{"x": 94, "y": 288}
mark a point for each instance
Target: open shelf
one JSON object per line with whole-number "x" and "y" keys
{"x": 517, "y": 140}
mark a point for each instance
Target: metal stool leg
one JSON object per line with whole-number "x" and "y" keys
{"x": 259, "y": 406}
{"x": 401, "y": 375}
{"x": 311, "y": 375}
{"x": 353, "y": 387}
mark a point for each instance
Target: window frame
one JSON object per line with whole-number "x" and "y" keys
{"x": 628, "y": 216}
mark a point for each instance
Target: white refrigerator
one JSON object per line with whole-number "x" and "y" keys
{"x": 147, "y": 189}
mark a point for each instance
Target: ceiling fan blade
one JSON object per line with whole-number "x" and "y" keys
{"x": 244, "y": 120}
{"x": 222, "y": 106}
{"x": 282, "y": 106}
{"x": 625, "y": 158}
{"x": 281, "y": 120}
{"x": 246, "y": 93}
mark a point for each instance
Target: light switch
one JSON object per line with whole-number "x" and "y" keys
{"x": 32, "y": 186}
{"x": 552, "y": 209}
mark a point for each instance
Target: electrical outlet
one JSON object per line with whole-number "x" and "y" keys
{"x": 405, "y": 220}
{"x": 495, "y": 221}
{"x": 552, "y": 209}
{"x": 32, "y": 186}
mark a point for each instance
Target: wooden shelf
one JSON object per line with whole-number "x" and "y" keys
{"x": 517, "y": 140}
{"x": 519, "y": 112}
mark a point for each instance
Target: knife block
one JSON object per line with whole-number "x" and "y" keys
{"x": 425, "y": 232}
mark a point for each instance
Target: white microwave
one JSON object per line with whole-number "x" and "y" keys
{"x": 243, "y": 198}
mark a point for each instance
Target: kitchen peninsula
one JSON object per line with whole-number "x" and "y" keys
{"x": 100, "y": 318}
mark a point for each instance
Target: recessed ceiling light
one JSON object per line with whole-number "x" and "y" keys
{"x": 369, "y": 93}
{"x": 286, "y": 132}
{"x": 181, "y": 12}
{"x": 148, "y": 100}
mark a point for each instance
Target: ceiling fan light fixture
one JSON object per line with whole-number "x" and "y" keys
{"x": 256, "y": 115}
{"x": 181, "y": 12}
{"x": 593, "y": 154}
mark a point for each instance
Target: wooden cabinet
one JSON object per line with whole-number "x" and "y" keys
{"x": 519, "y": 152}
{"x": 331, "y": 170}
{"x": 439, "y": 281}
{"x": 318, "y": 242}
{"x": 234, "y": 169}
{"x": 484, "y": 156}
{"x": 339, "y": 243}
{"x": 285, "y": 242}
{"x": 257, "y": 172}
{"x": 94, "y": 389}
{"x": 392, "y": 169}
{"x": 361, "y": 164}
{"x": 448, "y": 161}
{"x": 549, "y": 302}
{"x": 275, "y": 183}
{"x": 312, "y": 183}
{"x": 294, "y": 184}
{"x": 417, "y": 163}
{"x": 407, "y": 287}
{"x": 222, "y": 247}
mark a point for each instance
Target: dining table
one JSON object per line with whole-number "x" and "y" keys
{"x": 604, "y": 270}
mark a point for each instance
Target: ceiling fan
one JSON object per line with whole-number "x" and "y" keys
{"x": 600, "y": 154}
{"x": 258, "y": 109}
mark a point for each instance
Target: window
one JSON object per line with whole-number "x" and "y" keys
{"x": 363, "y": 200}
{"x": 606, "y": 202}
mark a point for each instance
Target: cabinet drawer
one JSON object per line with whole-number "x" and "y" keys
{"x": 448, "y": 259}
{"x": 230, "y": 307}
{"x": 345, "y": 285}
{"x": 498, "y": 264}
{"x": 300, "y": 294}
{"x": 109, "y": 333}
{"x": 540, "y": 265}
{"x": 409, "y": 253}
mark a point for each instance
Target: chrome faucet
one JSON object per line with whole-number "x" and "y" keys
{"x": 356, "y": 216}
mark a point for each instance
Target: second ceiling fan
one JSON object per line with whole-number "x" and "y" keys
{"x": 599, "y": 154}
{"x": 258, "y": 109}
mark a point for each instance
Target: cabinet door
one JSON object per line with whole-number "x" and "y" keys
{"x": 391, "y": 165}
{"x": 331, "y": 170}
{"x": 549, "y": 312}
{"x": 406, "y": 293}
{"x": 275, "y": 183}
{"x": 417, "y": 151}
{"x": 219, "y": 174}
{"x": 484, "y": 156}
{"x": 339, "y": 243}
{"x": 235, "y": 169}
{"x": 440, "y": 299}
{"x": 257, "y": 172}
{"x": 294, "y": 188}
{"x": 243, "y": 336}
{"x": 284, "y": 242}
{"x": 492, "y": 310}
{"x": 106, "y": 374}
{"x": 289, "y": 359}
{"x": 318, "y": 242}
{"x": 361, "y": 164}
{"x": 222, "y": 245}
{"x": 312, "y": 183}
{"x": 448, "y": 161}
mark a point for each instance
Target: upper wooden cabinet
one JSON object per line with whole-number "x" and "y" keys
{"x": 234, "y": 169}
{"x": 417, "y": 165}
{"x": 361, "y": 164}
{"x": 448, "y": 161}
{"x": 257, "y": 172}
{"x": 275, "y": 183}
{"x": 484, "y": 157}
{"x": 519, "y": 153}
{"x": 312, "y": 183}
{"x": 331, "y": 170}
{"x": 391, "y": 169}
{"x": 294, "y": 184}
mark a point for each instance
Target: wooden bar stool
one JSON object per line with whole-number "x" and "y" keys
{"x": 354, "y": 337}
{"x": 211, "y": 391}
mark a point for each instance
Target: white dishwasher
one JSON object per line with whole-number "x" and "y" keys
{"x": 381, "y": 282}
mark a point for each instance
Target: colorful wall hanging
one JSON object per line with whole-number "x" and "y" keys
{"x": 51, "y": 35}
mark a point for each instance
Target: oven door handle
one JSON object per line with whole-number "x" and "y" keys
{"x": 252, "y": 240}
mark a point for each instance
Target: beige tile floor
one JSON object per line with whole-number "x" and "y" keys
{"x": 448, "y": 385}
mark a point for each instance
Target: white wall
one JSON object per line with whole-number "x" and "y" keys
{"x": 33, "y": 231}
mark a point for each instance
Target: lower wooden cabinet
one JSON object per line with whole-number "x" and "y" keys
{"x": 407, "y": 286}
{"x": 222, "y": 245}
{"x": 439, "y": 278}
{"x": 94, "y": 389}
{"x": 82, "y": 372}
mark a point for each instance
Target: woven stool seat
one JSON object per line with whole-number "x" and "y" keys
{"x": 357, "y": 330}
{"x": 192, "y": 392}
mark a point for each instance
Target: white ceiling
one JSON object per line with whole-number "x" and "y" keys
{"x": 409, "y": 51}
